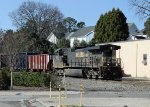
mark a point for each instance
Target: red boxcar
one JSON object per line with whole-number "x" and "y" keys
{"x": 40, "y": 62}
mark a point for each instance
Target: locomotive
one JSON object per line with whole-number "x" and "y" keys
{"x": 95, "y": 61}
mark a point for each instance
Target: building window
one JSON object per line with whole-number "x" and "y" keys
{"x": 144, "y": 56}
{"x": 144, "y": 59}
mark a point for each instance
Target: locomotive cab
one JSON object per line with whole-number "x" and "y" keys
{"x": 111, "y": 66}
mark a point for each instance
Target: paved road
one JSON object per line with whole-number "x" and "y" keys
{"x": 10, "y": 104}
{"x": 27, "y": 98}
{"x": 130, "y": 93}
{"x": 20, "y": 99}
{"x": 42, "y": 99}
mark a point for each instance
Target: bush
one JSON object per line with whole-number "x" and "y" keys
{"x": 4, "y": 80}
{"x": 28, "y": 79}
{"x": 33, "y": 79}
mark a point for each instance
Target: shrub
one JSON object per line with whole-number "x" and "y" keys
{"x": 33, "y": 79}
{"x": 4, "y": 80}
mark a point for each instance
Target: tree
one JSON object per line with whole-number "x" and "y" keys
{"x": 61, "y": 29}
{"x": 82, "y": 43}
{"x": 111, "y": 27}
{"x": 80, "y": 25}
{"x": 142, "y": 7}
{"x": 37, "y": 17}
{"x": 76, "y": 43}
{"x": 92, "y": 42}
{"x": 12, "y": 44}
{"x": 70, "y": 24}
{"x": 63, "y": 43}
{"x": 1, "y": 32}
{"x": 147, "y": 26}
{"x": 37, "y": 20}
{"x": 1, "y": 38}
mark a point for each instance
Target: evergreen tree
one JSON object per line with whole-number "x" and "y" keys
{"x": 111, "y": 27}
{"x": 147, "y": 26}
{"x": 76, "y": 43}
{"x": 80, "y": 25}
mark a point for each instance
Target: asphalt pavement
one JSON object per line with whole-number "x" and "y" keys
{"x": 42, "y": 99}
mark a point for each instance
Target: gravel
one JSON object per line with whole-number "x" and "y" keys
{"x": 92, "y": 85}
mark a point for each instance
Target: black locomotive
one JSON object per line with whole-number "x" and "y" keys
{"x": 96, "y": 61}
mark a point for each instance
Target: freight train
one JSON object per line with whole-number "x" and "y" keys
{"x": 95, "y": 61}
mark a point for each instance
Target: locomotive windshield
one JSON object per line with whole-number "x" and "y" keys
{"x": 107, "y": 53}
{"x": 109, "y": 56}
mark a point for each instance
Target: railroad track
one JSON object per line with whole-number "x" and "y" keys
{"x": 107, "y": 85}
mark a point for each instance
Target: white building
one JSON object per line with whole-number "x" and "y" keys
{"x": 137, "y": 35}
{"x": 54, "y": 37}
{"x": 135, "y": 56}
{"x": 87, "y": 33}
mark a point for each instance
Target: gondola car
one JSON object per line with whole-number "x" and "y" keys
{"x": 40, "y": 62}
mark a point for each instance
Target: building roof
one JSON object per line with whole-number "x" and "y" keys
{"x": 130, "y": 24}
{"x": 68, "y": 35}
{"x": 139, "y": 40}
{"x": 100, "y": 47}
{"x": 83, "y": 31}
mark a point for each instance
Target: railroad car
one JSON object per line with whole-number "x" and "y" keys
{"x": 20, "y": 61}
{"x": 4, "y": 60}
{"x": 96, "y": 61}
{"x": 27, "y": 61}
{"x": 40, "y": 62}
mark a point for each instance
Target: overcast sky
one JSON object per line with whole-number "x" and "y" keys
{"x": 82, "y": 10}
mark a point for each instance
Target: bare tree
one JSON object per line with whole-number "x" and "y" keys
{"x": 1, "y": 32}
{"x": 38, "y": 18}
{"x": 142, "y": 7}
{"x": 12, "y": 43}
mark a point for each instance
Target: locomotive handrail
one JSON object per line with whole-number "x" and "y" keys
{"x": 116, "y": 61}
{"x": 81, "y": 64}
